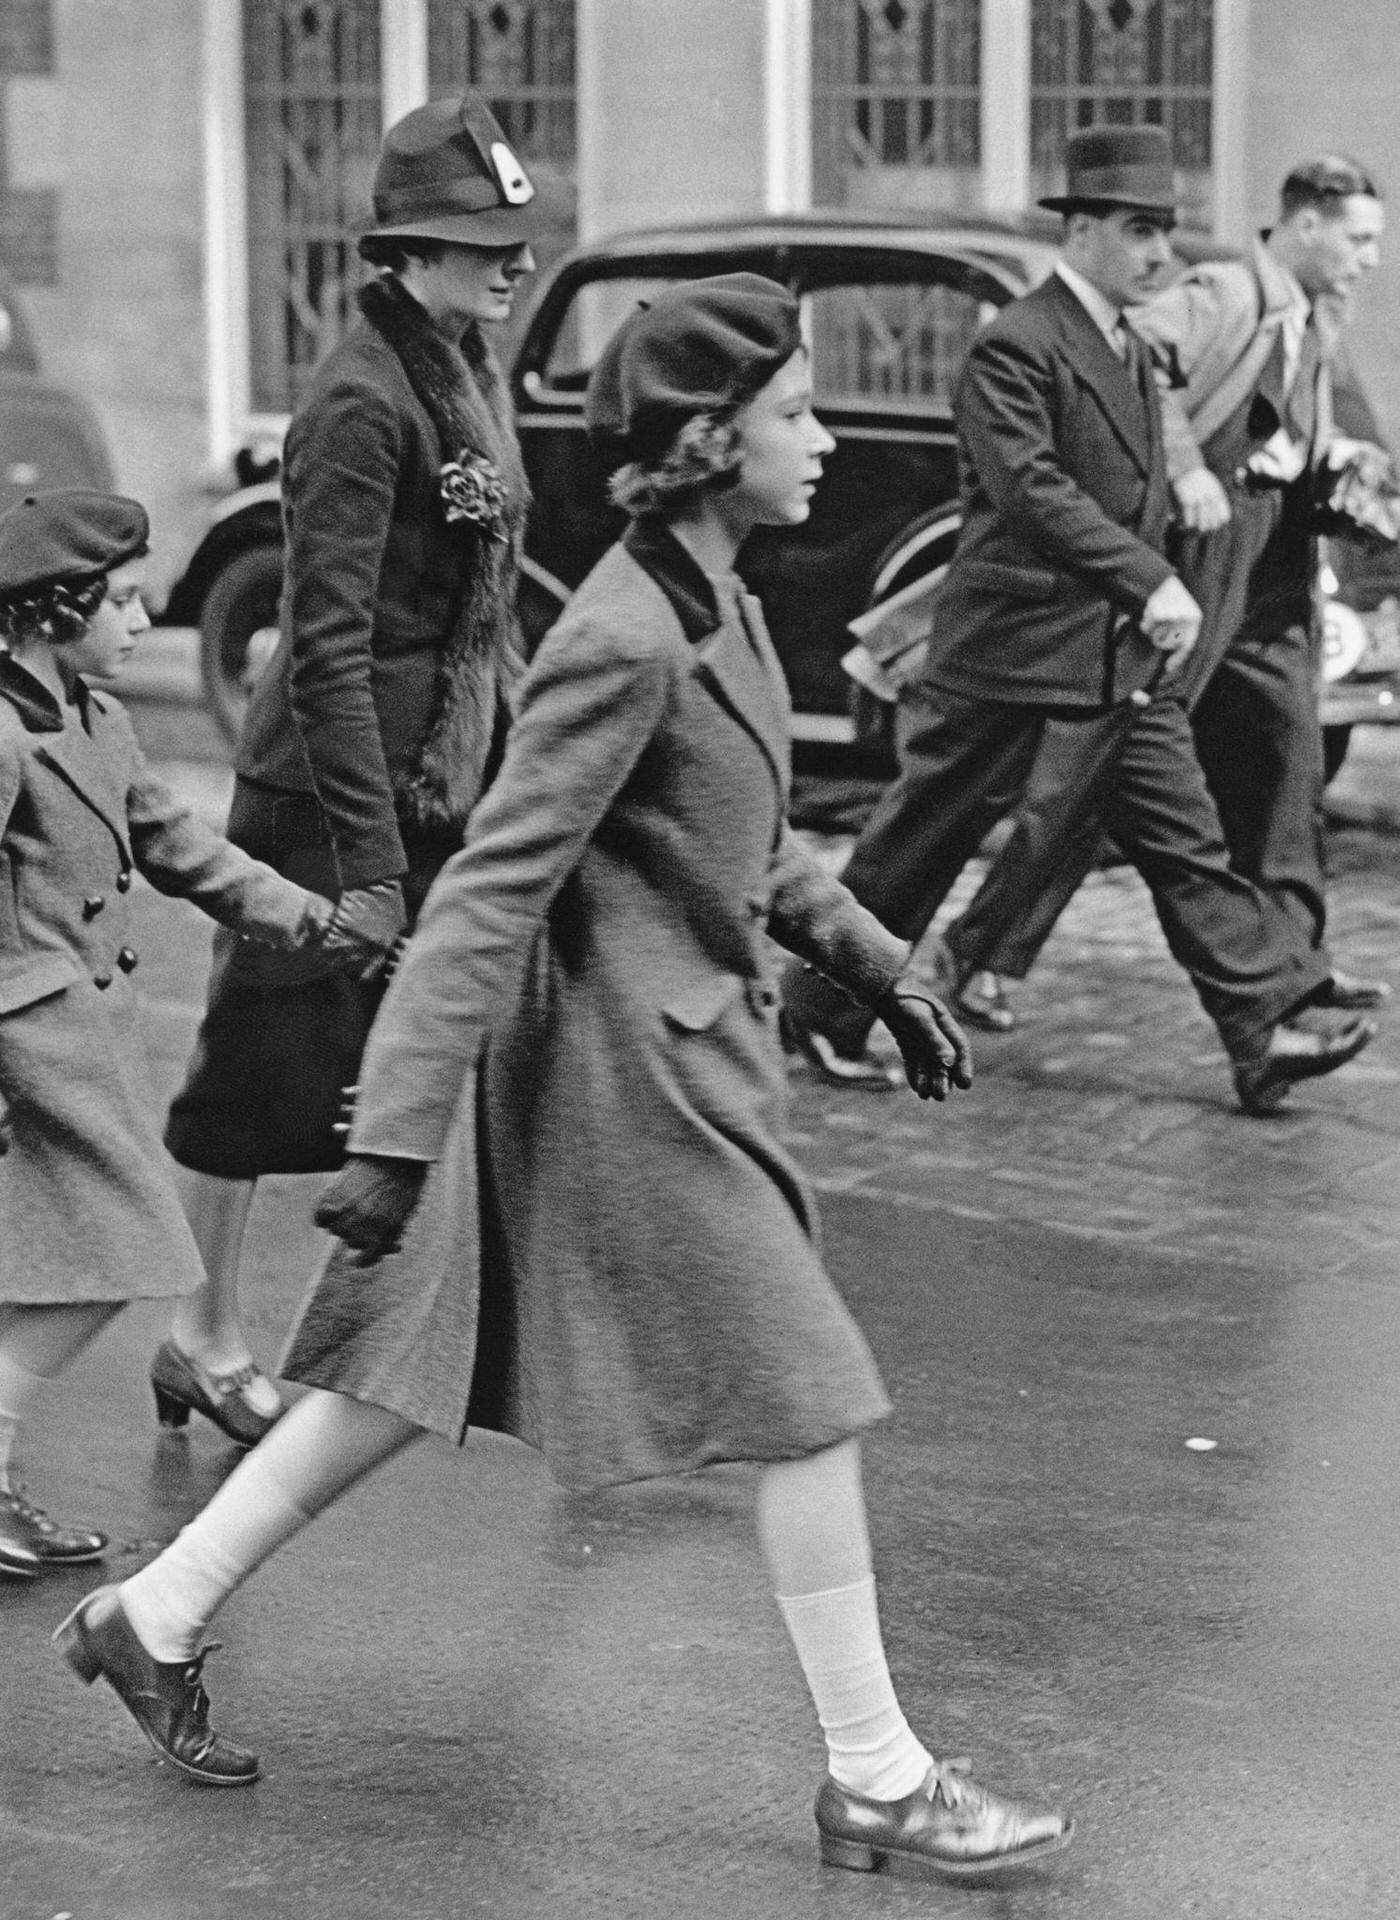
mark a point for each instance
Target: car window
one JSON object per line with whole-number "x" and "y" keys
{"x": 891, "y": 341}
{"x": 596, "y": 311}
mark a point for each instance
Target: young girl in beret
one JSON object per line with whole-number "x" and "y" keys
{"x": 89, "y": 1217}
{"x": 654, "y": 1301}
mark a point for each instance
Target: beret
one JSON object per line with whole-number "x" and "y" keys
{"x": 66, "y": 534}
{"x": 699, "y": 346}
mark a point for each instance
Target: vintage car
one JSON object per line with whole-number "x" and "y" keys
{"x": 891, "y": 304}
{"x": 48, "y": 436}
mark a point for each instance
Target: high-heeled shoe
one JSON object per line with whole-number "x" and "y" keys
{"x": 182, "y": 1386}
{"x": 166, "y": 1699}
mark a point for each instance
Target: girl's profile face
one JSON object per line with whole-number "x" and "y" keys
{"x": 114, "y": 629}
{"x": 781, "y": 448}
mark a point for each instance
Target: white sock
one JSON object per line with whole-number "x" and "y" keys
{"x": 869, "y": 1744}
{"x": 19, "y": 1391}
{"x": 170, "y": 1602}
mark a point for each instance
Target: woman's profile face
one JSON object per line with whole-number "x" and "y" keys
{"x": 114, "y": 629}
{"x": 472, "y": 283}
{"x": 781, "y": 448}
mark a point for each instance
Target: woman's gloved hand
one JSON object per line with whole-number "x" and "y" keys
{"x": 364, "y": 928}
{"x": 370, "y": 1202}
{"x": 931, "y": 1044}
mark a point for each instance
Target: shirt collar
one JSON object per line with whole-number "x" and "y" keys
{"x": 1105, "y": 316}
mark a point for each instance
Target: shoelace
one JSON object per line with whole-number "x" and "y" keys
{"x": 950, "y": 1778}
{"x": 199, "y": 1701}
{"x": 28, "y": 1512}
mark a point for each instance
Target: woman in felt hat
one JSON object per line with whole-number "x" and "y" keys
{"x": 89, "y": 1218}
{"x": 589, "y": 981}
{"x": 379, "y": 717}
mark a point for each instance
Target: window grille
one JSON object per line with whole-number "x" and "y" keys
{"x": 1126, "y": 63}
{"x": 312, "y": 86}
{"x": 520, "y": 55}
{"x": 896, "y": 110}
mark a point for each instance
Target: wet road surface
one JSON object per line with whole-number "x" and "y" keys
{"x": 477, "y": 1696}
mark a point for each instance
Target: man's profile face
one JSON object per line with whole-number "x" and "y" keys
{"x": 1125, "y": 252}
{"x": 1336, "y": 248}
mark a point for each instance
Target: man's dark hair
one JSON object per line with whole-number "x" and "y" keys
{"x": 392, "y": 252}
{"x": 1324, "y": 183}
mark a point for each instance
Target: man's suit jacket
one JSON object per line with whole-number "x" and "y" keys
{"x": 1065, "y": 507}
{"x": 373, "y": 580}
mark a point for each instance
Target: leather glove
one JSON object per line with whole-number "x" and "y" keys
{"x": 364, "y": 928}
{"x": 931, "y": 1044}
{"x": 370, "y": 1202}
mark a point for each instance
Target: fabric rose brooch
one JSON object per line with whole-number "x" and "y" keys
{"x": 472, "y": 490}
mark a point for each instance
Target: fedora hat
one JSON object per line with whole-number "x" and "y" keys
{"x": 1120, "y": 167}
{"x": 447, "y": 172}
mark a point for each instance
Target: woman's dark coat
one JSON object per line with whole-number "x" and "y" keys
{"x": 88, "y": 1209}
{"x": 654, "y": 1296}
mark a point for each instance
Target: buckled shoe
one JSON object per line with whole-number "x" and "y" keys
{"x": 51, "y": 1544}
{"x": 166, "y": 1699}
{"x": 948, "y": 1828}
{"x": 1294, "y": 1054}
{"x": 181, "y": 1386}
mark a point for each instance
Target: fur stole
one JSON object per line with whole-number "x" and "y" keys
{"x": 484, "y": 499}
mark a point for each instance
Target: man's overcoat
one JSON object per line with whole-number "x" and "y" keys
{"x": 653, "y": 1297}
{"x": 87, "y": 1205}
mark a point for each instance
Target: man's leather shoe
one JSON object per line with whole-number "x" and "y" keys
{"x": 51, "y": 1544}
{"x": 166, "y": 1699}
{"x": 1292, "y": 1055}
{"x": 1349, "y": 994}
{"x": 861, "y": 1070}
{"x": 948, "y": 1827}
{"x": 18, "y": 1558}
{"x": 982, "y": 1002}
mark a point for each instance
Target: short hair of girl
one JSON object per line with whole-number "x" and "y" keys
{"x": 391, "y": 252}
{"x": 705, "y": 453}
{"x": 60, "y": 611}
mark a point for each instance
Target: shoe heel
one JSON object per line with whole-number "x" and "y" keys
{"x": 849, "y": 1853}
{"x": 170, "y": 1412}
{"x": 68, "y": 1638}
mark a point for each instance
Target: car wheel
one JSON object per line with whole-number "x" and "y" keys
{"x": 1335, "y": 741}
{"x": 238, "y": 631}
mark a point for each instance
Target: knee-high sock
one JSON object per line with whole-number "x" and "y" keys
{"x": 811, "y": 1517}
{"x": 317, "y": 1450}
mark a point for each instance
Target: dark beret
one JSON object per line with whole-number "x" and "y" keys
{"x": 66, "y": 534}
{"x": 698, "y": 347}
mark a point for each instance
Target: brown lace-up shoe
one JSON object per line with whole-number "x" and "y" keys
{"x": 949, "y": 1827}
{"x": 52, "y": 1544}
{"x": 166, "y": 1700}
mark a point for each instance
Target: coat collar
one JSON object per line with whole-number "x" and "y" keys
{"x": 60, "y": 748}
{"x": 1100, "y": 370}
{"x": 31, "y": 699}
{"x": 736, "y": 663}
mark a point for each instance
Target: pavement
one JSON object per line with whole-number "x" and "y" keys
{"x": 1134, "y": 1518}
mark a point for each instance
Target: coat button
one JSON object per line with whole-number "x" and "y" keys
{"x": 124, "y": 881}
{"x": 93, "y": 905}
{"x": 128, "y": 960}
{"x": 102, "y": 981}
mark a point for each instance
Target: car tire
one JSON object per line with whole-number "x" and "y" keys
{"x": 241, "y": 603}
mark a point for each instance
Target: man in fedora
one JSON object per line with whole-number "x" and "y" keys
{"x": 1059, "y": 605}
{"x": 1244, "y": 352}
{"x": 370, "y": 733}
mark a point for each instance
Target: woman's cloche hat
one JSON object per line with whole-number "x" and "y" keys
{"x": 69, "y": 534}
{"x": 698, "y": 347}
{"x": 447, "y": 172}
{"x": 1120, "y": 167}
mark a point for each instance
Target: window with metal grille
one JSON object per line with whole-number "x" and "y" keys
{"x": 313, "y": 106}
{"x": 1127, "y": 63}
{"x": 520, "y": 54}
{"x": 896, "y": 115}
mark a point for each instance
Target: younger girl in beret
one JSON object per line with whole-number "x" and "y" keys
{"x": 88, "y": 1213}
{"x": 589, "y": 980}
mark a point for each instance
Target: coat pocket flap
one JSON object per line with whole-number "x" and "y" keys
{"x": 35, "y": 979}
{"x": 1023, "y": 583}
{"x": 702, "y": 1004}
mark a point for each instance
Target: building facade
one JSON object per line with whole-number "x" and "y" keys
{"x": 179, "y": 178}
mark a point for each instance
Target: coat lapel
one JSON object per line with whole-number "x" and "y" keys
{"x": 1102, "y": 374}
{"x": 72, "y": 755}
{"x": 740, "y": 671}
